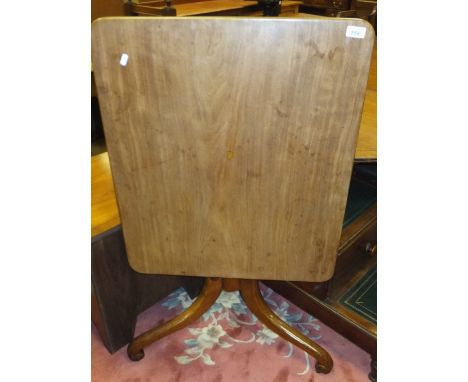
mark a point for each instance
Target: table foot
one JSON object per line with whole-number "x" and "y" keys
{"x": 250, "y": 292}
{"x": 210, "y": 292}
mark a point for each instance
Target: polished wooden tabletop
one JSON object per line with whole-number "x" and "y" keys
{"x": 104, "y": 211}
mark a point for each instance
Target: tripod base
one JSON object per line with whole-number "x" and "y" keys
{"x": 250, "y": 292}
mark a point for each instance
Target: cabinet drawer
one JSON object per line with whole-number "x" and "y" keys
{"x": 356, "y": 257}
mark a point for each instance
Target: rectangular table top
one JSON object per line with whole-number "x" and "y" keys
{"x": 249, "y": 167}
{"x": 104, "y": 212}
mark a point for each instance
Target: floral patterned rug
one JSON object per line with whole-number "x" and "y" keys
{"x": 229, "y": 344}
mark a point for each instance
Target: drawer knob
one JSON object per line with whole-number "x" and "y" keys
{"x": 371, "y": 249}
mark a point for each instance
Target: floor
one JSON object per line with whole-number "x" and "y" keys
{"x": 98, "y": 147}
{"x": 229, "y": 344}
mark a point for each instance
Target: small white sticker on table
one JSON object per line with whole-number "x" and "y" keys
{"x": 124, "y": 59}
{"x": 355, "y": 32}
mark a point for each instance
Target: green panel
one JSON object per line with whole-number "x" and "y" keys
{"x": 361, "y": 196}
{"x": 362, "y": 297}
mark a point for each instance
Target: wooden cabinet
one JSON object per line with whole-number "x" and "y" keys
{"x": 119, "y": 293}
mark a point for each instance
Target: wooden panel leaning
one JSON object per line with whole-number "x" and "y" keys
{"x": 231, "y": 144}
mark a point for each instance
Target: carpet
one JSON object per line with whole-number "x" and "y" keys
{"x": 228, "y": 344}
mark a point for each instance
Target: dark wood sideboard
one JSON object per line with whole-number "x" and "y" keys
{"x": 119, "y": 294}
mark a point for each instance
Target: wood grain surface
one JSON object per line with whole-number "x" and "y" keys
{"x": 104, "y": 8}
{"x": 366, "y": 149}
{"x": 231, "y": 140}
{"x": 104, "y": 207}
{"x": 104, "y": 212}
